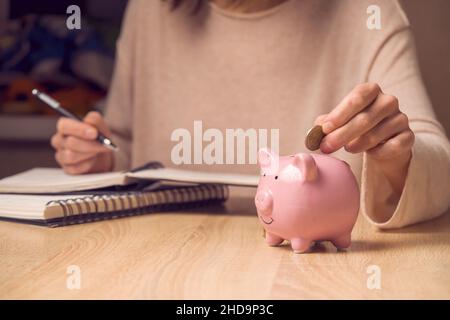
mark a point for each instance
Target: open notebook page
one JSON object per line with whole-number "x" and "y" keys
{"x": 53, "y": 180}
{"x": 182, "y": 175}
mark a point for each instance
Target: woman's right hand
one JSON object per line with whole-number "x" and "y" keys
{"x": 77, "y": 150}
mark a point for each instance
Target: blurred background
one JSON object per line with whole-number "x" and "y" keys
{"x": 75, "y": 66}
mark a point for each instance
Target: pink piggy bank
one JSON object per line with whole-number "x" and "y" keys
{"x": 305, "y": 198}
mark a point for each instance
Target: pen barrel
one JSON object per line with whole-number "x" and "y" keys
{"x": 68, "y": 114}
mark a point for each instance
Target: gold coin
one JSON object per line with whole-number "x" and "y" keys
{"x": 314, "y": 138}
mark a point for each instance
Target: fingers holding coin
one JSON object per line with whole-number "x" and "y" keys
{"x": 365, "y": 119}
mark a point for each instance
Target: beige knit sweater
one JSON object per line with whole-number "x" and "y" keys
{"x": 276, "y": 69}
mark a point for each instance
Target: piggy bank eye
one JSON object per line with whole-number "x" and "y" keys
{"x": 264, "y": 174}
{"x": 276, "y": 177}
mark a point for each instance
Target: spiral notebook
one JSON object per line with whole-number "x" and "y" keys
{"x": 108, "y": 198}
{"x": 67, "y": 209}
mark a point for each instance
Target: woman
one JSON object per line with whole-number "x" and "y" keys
{"x": 275, "y": 64}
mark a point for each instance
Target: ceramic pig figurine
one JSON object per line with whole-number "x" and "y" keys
{"x": 305, "y": 198}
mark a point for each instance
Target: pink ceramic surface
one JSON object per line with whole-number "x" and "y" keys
{"x": 305, "y": 198}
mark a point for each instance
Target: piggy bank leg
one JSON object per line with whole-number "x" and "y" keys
{"x": 273, "y": 240}
{"x": 342, "y": 242}
{"x": 300, "y": 245}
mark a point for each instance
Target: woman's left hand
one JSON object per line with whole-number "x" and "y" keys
{"x": 367, "y": 120}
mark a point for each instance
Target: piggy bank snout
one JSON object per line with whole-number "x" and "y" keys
{"x": 264, "y": 202}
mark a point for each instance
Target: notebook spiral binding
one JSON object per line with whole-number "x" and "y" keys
{"x": 111, "y": 206}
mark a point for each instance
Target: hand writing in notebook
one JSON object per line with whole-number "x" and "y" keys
{"x": 77, "y": 150}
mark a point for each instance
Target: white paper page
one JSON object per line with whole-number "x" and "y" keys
{"x": 53, "y": 180}
{"x": 181, "y": 175}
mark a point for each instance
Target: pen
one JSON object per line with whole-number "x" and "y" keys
{"x": 55, "y": 105}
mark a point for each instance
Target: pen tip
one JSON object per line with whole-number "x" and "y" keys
{"x": 109, "y": 144}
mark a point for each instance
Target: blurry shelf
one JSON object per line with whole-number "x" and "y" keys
{"x": 27, "y": 128}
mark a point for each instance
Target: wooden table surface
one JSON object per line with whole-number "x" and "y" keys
{"x": 218, "y": 254}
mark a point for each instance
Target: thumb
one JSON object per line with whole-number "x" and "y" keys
{"x": 95, "y": 119}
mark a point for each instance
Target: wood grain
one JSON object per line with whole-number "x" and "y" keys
{"x": 218, "y": 253}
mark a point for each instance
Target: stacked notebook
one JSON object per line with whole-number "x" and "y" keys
{"x": 48, "y": 196}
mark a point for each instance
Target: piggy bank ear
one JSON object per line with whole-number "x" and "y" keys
{"x": 266, "y": 158}
{"x": 307, "y": 165}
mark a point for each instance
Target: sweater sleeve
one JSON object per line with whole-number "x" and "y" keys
{"x": 426, "y": 193}
{"x": 119, "y": 111}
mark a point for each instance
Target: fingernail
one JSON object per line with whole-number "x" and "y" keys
{"x": 327, "y": 127}
{"x": 91, "y": 133}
